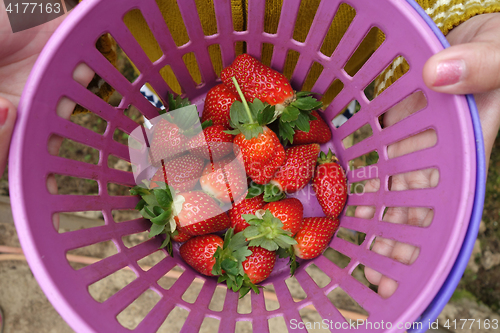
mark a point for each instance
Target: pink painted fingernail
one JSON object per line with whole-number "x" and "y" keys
{"x": 449, "y": 72}
{"x": 3, "y": 114}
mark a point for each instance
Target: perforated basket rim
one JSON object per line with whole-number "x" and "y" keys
{"x": 36, "y": 258}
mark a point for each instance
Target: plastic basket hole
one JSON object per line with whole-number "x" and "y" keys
{"x": 364, "y": 186}
{"x": 348, "y": 307}
{"x": 277, "y": 324}
{"x": 119, "y": 189}
{"x": 109, "y": 285}
{"x": 363, "y": 212}
{"x": 364, "y": 51}
{"x": 112, "y": 51}
{"x": 337, "y": 29}
{"x": 266, "y": 53}
{"x": 240, "y": 47}
{"x": 239, "y": 11}
{"x": 218, "y": 298}
{"x": 144, "y": 37}
{"x": 414, "y": 216}
{"x": 271, "y": 16}
{"x": 135, "y": 239}
{"x": 305, "y": 18}
{"x": 295, "y": 289}
{"x": 359, "y": 274}
{"x": 72, "y": 150}
{"x": 407, "y": 106}
{"x": 398, "y": 251}
{"x": 168, "y": 75}
{"x": 245, "y": 304}
{"x": 119, "y": 164}
{"x": 244, "y": 326}
{"x": 318, "y": 276}
{"x": 292, "y": 57}
{"x": 98, "y": 86}
{"x": 270, "y": 298}
{"x": 133, "y": 113}
{"x": 121, "y": 137}
{"x": 414, "y": 180}
{"x": 384, "y": 286}
{"x": 314, "y": 72}
{"x": 192, "y": 65}
{"x": 71, "y": 221}
{"x": 194, "y": 289}
{"x": 420, "y": 141}
{"x": 168, "y": 280}
{"x": 123, "y": 215}
{"x": 359, "y": 135}
{"x": 89, "y": 254}
{"x": 365, "y": 160}
{"x": 352, "y": 236}
{"x": 88, "y": 120}
{"x": 151, "y": 260}
{"x": 215, "y": 58}
{"x": 312, "y": 320}
{"x": 350, "y": 110}
{"x": 175, "y": 321}
{"x": 339, "y": 259}
{"x": 209, "y": 325}
{"x": 135, "y": 313}
{"x": 73, "y": 185}
{"x": 386, "y": 78}
{"x": 333, "y": 90}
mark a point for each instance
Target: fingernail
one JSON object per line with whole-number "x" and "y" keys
{"x": 3, "y": 114}
{"x": 449, "y": 72}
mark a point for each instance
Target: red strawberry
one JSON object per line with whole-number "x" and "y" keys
{"x": 290, "y": 212}
{"x": 295, "y": 173}
{"x": 319, "y": 132}
{"x": 257, "y": 80}
{"x": 198, "y": 252}
{"x": 330, "y": 185}
{"x": 259, "y": 265}
{"x": 212, "y": 144}
{"x": 262, "y": 155}
{"x": 200, "y": 214}
{"x": 181, "y": 236}
{"x": 261, "y": 82}
{"x": 225, "y": 180}
{"x": 182, "y": 173}
{"x": 217, "y": 104}
{"x": 246, "y": 206}
{"x": 167, "y": 142}
{"x": 314, "y": 236}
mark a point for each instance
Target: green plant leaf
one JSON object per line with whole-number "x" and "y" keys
{"x": 156, "y": 229}
{"x": 302, "y": 122}
{"x": 307, "y": 103}
{"x": 163, "y": 218}
{"x": 289, "y": 114}
{"x": 163, "y": 197}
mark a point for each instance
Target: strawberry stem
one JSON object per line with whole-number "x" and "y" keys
{"x": 243, "y": 100}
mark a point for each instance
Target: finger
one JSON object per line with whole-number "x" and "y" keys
{"x": 7, "y": 119}
{"x": 464, "y": 69}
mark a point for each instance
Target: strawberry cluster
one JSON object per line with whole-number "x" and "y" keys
{"x": 260, "y": 142}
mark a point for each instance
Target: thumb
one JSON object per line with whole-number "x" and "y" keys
{"x": 7, "y": 120}
{"x": 464, "y": 69}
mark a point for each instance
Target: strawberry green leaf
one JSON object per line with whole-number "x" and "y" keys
{"x": 140, "y": 205}
{"x": 285, "y": 132}
{"x": 163, "y": 197}
{"x": 266, "y": 116}
{"x": 254, "y": 190}
{"x": 206, "y": 123}
{"x": 163, "y": 218}
{"x": 273, "y": 193}
{"x": 167, "y": 244}
{"x": 157, "y": 210}
{"x": 307, "y": 103}
{"x": 147, "y": 213}
{"x": 156, "y": 229}
{"x": 230, "y": 266}
{"x": 289, "y": 253}
{"x": 303, "y": 93}
{"x": 289, "y": 114}
{"x": 302, "y": 122}
{"x": 269, "y": 235}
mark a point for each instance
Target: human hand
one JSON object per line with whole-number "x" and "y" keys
{"x": 469, "y": 66}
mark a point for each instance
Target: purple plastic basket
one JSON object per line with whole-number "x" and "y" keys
{"x": 408, "y": 34}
